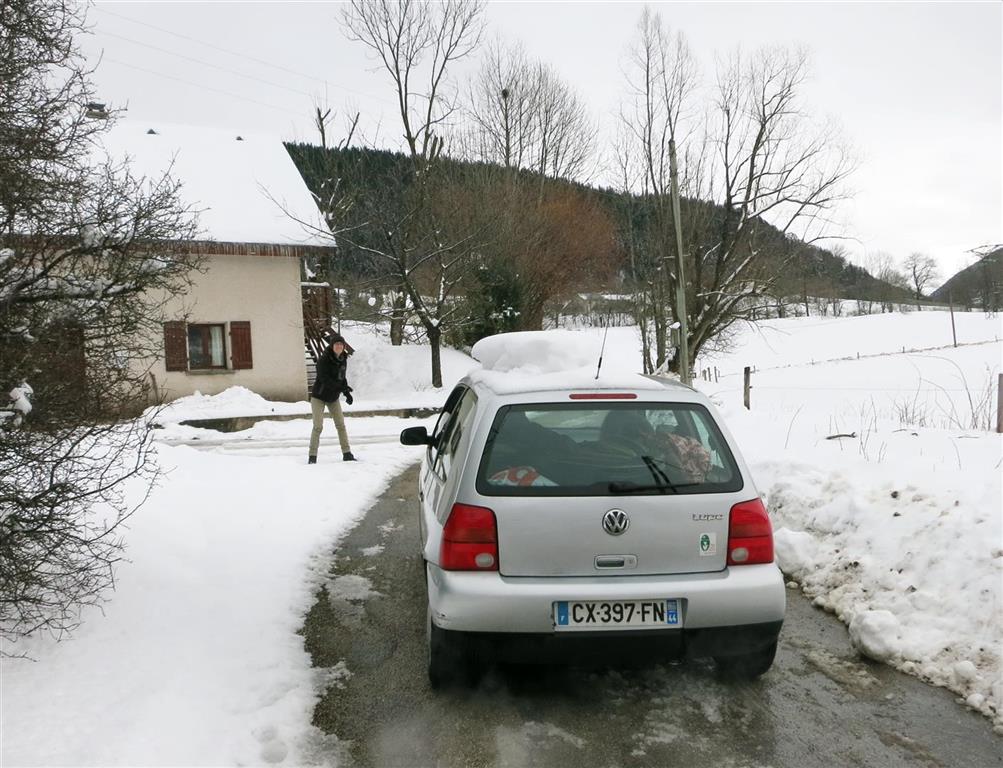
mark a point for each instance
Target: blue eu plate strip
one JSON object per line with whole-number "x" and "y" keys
{"x": 671, "y": 612}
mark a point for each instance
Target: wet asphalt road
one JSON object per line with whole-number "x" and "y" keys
{"x": 820, "y": 705}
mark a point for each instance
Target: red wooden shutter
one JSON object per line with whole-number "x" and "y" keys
{"x": 240, "y": 344}
{"x": 175, "y": 346}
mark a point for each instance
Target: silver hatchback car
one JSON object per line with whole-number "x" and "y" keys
{"x": 597, "y": 523}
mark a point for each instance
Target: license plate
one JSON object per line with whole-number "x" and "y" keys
{"x": 616, "y": 614}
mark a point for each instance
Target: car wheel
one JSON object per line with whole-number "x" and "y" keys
{"x": 747, "y": 666}
{"x": 446, "y": 664}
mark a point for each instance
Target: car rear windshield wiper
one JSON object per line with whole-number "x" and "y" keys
{"x": 662, "y": 482}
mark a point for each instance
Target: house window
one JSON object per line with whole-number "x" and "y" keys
{"x": 202, "y": 346}
{"x": 205, "y": 347}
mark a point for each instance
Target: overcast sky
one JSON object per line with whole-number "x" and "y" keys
{"x": 916, "y": 87}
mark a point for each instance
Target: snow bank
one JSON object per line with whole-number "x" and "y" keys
{"x": 232, "y": 402}
{"x": 894, "y": 527}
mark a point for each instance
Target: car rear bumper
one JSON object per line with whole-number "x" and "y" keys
{"x": 711, "y": 603}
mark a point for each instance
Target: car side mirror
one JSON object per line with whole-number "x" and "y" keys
{"x": 415, "y": 436}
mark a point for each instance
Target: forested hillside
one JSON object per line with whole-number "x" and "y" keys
{"x": 979, "y": 285}
{"x": 801, "y": 269}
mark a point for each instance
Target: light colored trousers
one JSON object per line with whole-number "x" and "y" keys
{"x": 317, "y": 406}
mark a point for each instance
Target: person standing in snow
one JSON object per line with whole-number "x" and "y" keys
{"x": 330, "y": 385}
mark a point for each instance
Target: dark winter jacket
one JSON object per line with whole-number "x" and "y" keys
{"x": 332, "y": 378}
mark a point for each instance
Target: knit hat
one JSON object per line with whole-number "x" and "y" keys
{"x": 333, "y": 337}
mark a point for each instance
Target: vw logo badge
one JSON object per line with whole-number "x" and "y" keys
{"x": 615, "y": 522}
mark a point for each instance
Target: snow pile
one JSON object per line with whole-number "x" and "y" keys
{"x": 535, "y": 352}
{"x": 876, "y": 634}
{"x": 558, "y": 360}
{"x": 235, "y": 401}
{"x": 915, "y": 573}
{"x": 892, "y": 525}
{"x": 383, "y": 375}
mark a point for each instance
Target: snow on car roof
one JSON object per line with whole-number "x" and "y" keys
{"x": 534, "y": 361}
{"x": 515, "y": 382}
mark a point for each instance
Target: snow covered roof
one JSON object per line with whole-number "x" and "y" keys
{"x": 244, "y": 188}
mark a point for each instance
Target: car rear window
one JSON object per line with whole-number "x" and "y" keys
{"x": 585, "y": 449}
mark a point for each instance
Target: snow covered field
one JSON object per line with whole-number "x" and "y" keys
{"x": 196, "y": 657}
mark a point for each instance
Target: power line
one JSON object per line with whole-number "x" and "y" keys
{"x": 242, "y": 55}
{"x": 199, "y": 85}
{"x": 208, "y": 64}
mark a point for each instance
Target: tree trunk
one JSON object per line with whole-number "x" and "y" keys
{"x": 397, "y": 320}
{"x": 531, "y": 318}
{"x": 435, "y": 340}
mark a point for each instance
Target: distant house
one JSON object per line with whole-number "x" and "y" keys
{"x": 242, "y": 322}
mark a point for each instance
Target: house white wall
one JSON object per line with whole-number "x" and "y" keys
{"x": 264, "y": 290}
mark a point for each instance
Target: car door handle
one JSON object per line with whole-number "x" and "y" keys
{"x": 616, "y": 561}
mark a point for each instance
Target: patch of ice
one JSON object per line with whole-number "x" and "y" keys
{"x": 351, "y": 587}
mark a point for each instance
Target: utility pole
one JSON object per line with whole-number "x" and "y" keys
{"x": 684, "y": 349}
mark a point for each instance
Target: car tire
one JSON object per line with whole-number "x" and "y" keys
{"x": 446, "y": 662}
{"x": 747, "y": 666}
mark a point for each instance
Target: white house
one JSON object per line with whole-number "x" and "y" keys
{"x": 242, "y": 322}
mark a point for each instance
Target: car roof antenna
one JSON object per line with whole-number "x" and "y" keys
{"x": 601, "y": 350}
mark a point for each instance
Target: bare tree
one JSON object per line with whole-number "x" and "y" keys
{"x": 416, "y": 42}
{"x": 756, "y": 159}
{"x": 85, "y": 266}
{"x": 526, "y": 117}
{"x": 661, "y": 78}
{"x": 894, "y": 283}
{"x": 921, "y": 271}
{"x": 502, "y": 108}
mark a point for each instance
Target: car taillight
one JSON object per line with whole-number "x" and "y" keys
{"x": 469, "y": 540}
{"x": 750, "y": 534}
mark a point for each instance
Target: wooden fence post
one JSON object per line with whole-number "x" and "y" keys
{"x": 999, "y": 404}
{"x": 954, "y": 333}
{"x": 747, "y": 387}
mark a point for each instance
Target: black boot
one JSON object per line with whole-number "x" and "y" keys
{"x": 348, "y": 456}
{"x": 312, "y": 460}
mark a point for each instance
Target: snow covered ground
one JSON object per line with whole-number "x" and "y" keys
{"x": 896, "y": 529}
{"x": 196, "y": 659}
